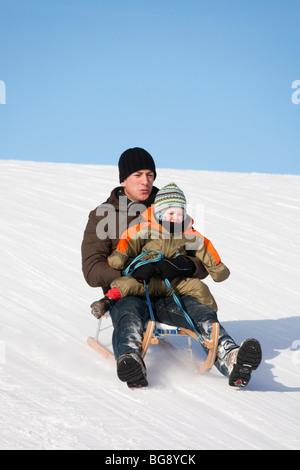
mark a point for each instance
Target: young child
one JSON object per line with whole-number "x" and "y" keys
{"x": 165, "y": 227}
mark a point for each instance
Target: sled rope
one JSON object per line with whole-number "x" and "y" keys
{"x": 187, "y": 317}
{"x": 149, "y": 303}
{"x": 136, "y": 263}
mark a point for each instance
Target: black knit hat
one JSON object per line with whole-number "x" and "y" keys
{"x": 133, "y": 160}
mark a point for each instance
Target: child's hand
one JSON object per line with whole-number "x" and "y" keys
{"x": 144, "y": 273}
{"x": 175, "y": 267}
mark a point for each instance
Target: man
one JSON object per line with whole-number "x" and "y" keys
{"x": 129, "y": 315}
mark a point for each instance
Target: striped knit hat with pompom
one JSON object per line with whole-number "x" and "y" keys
{"x": 169, "y": 196}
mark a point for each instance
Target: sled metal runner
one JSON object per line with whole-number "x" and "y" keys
{"x": 154, "y": 334}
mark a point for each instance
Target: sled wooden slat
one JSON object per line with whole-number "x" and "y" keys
{"x": 147, "y": 337}
{"x": 99, "y": 348}
{"x": 211, "y": 345}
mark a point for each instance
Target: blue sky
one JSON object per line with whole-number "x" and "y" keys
{"x": 201, "y": 84}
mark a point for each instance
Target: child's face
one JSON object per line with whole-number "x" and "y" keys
{"x": 174, "y": 214}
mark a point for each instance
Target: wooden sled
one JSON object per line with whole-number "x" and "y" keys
{"x": 156, "y": 332}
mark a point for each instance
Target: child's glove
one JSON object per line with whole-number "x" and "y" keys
{"x": 144, "y": 273}
{"x": 173, "y": 267}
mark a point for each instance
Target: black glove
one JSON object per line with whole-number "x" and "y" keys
{"x": 173, "y": 267}
{"x": 144, "y": 273}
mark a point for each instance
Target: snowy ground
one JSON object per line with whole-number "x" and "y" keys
{"x": 58, "y": 393}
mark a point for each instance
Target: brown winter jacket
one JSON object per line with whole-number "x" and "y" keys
{"x": 104, "y": 228}
{"x": 150, "y": 235}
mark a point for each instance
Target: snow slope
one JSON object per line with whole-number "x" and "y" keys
{"x": 57, "y": 393}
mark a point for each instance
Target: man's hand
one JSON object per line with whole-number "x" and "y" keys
{"x": 173, "y": 267}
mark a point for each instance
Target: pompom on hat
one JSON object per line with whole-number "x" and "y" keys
{"x": 169, "y": 196}
{"x": 135, "y": 159}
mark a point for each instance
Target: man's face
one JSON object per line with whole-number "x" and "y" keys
{"x": 138, "y": 185}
